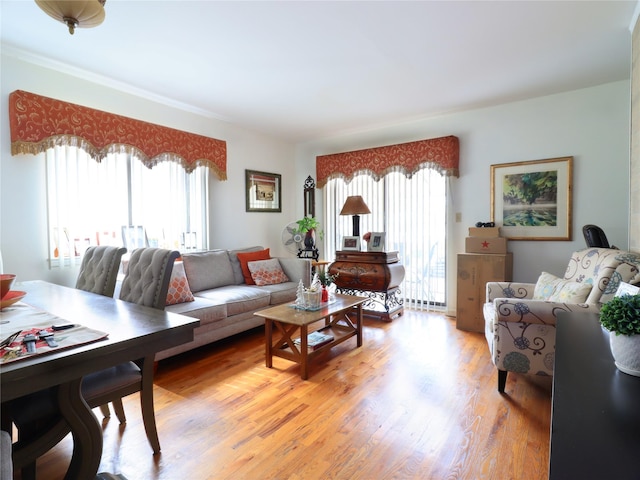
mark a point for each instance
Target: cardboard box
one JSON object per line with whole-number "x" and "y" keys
{"x": 484, "y": 231}
{"x": 474, "y": 271}
{"x": 485, "y": 245}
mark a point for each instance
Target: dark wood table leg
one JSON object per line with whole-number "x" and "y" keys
{"x": 268, "y": 332}
{"x": 87, "y": 435}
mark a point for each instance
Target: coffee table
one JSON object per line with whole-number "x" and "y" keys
{"x": 342, "y": 319}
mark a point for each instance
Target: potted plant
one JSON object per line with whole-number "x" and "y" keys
{"x": 621, "y": 316}
{"x": 326, "y": 279}
{"x": 308, "y": 226}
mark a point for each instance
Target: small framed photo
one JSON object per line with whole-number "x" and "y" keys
{"x": 263, "y": 191}
{"x": 351, "y": 243}
{"x": 376, "y": 242}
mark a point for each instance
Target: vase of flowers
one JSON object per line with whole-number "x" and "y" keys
{"x": 326, "y": 279}
{"x": 621, "y": 316}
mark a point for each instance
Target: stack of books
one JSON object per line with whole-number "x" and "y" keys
{"x": 316, "y": 339}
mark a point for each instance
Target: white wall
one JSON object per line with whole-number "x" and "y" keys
{"x": 592, "y": 125}
{"x": 23, "y": 240}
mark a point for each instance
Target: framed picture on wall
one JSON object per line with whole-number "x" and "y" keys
{"x": 263, "y": 193}
{"x": 532, "y": 200}
{"x": 351, "y": 243}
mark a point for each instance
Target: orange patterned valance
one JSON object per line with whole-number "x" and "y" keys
{"x": 38, "y": 123}
{"x": 442, "y": 154}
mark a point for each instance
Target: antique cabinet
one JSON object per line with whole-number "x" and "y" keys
{"x": 375, "y": 275}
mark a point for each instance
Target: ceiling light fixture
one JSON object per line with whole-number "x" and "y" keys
{"x": 74, "y": 13}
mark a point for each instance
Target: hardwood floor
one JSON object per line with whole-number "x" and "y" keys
{"x": 418, "y": 401}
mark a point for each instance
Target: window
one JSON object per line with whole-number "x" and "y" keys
{"x": 412, "y": 213}
{"x": 90, "y": 202}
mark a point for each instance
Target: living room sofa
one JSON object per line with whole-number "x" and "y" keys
{"x": 214, "y": 287}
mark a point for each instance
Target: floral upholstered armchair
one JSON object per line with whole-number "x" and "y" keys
{"x": 520, "y": 318}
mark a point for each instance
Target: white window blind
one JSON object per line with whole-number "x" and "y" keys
{"x": 412, "y": 213}
{"x": 88, "y": 202}
{"x": 170, "y": 203}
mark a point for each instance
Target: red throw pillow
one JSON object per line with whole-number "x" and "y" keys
{"x": 251, "y": 257}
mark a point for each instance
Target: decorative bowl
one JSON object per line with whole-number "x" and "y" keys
{"x": 10, "y": 298}
{"x": 6, "y": 279}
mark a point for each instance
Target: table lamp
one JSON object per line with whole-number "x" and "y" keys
{"x": 355, "y": 206}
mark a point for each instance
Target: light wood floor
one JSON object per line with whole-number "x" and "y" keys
{"x": 418, "y": 401}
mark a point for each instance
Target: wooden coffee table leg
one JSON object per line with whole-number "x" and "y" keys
{"x": 304, "y": 352}
{"x": 268, "y": 333}
{"x": 359, "y": 326}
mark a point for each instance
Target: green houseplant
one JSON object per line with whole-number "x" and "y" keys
{"x": 309, "y": 226}
{"x": 621, "y": 316}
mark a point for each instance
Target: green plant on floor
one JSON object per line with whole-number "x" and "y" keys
{"x": 622, "y": 315}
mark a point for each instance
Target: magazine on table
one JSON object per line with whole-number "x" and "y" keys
{"x": 316, "y": 339}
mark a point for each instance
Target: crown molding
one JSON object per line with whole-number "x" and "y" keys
{"x": 104, "y": 81}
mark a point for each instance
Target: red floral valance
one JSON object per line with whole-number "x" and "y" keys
{"x": 442, "y": 154}
{"x": 38, "y": 123}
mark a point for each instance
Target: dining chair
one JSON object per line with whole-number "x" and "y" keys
{"x": 148, "y": 274}
{"x": 145, "y": 283}
{"x": 6, "y": 464}
{"x": 40, "y": 428}
{"x": 99, "y": 269}
{"x": 98, "y": 274}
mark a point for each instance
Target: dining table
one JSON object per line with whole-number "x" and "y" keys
{"x": 126, "y": 332}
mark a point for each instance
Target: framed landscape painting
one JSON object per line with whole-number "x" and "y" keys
{"x": 532, "y": 200}
{"x": 263, "y": 191}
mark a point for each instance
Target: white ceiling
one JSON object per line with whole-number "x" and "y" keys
{"x": 301, "y": 70}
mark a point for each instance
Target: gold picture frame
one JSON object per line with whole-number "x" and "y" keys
{"x": 532, "y": 200}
